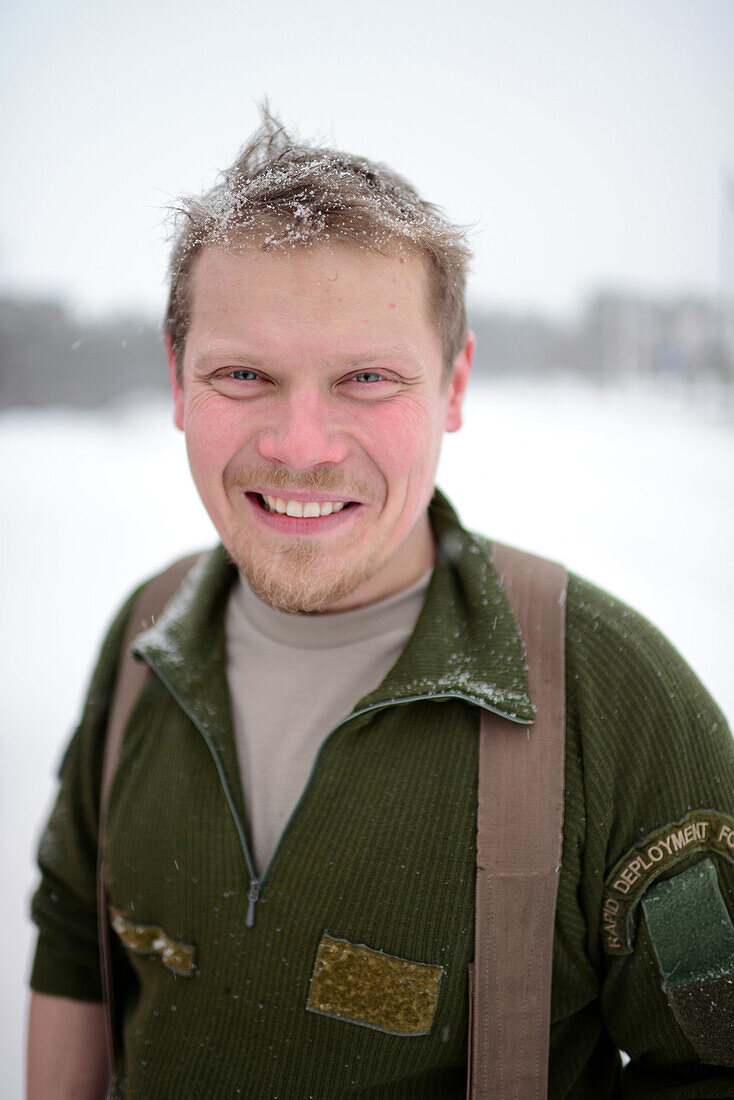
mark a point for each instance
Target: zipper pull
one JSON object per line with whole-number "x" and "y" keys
{"x": 252, "y": 895}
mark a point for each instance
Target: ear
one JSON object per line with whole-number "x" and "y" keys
{"x": 457, "y": 384}
{"x": 176, "y": 389}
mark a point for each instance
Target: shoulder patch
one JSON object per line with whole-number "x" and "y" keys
{"x": 698, "y": 831}
{"x": 692, "y": 935}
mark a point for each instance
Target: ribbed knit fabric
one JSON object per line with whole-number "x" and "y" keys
{"x": 380, "y": 852}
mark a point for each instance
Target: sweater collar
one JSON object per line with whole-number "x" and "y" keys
{"x": 466, "y": 643}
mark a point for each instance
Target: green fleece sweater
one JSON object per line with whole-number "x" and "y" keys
{"x": 342, "y": 971}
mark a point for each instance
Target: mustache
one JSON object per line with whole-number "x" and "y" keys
{"x": 320, "y": 479}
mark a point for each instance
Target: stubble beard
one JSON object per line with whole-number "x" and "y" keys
{"x": 300, "y": 576}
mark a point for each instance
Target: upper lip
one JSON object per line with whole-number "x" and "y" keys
{"x": 304, "y": 495}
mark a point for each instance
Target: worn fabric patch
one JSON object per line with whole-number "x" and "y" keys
{"x": 364, "y": 986}
{"x": 148, "y": 939}
{"x": 693, "y": 938}
{"x": 705, "y": 1012}
{"x": 690, "y": 926}
{"x": 699, "y": 831}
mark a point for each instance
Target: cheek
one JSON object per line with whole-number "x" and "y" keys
{"x": 213, "y": 434}
{"x": 213, "y": 438}
{"x": 401, "y": 438}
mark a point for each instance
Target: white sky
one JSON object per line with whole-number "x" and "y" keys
{"x": 587, "y": 138}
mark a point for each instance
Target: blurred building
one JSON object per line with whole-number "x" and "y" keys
{"x": 623, "y": 336}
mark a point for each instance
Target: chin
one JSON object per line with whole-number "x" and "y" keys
{"x": 297, "y": 580}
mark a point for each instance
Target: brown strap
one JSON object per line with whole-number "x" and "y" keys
{"x": 131, "y": 676}
{"x": 519, "y": 842}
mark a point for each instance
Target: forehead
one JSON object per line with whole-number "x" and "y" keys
{"x": 334, "y": 288}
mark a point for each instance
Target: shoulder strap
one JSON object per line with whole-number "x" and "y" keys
{"x": 519, "y": 842}
{"x": 131, "y": 676}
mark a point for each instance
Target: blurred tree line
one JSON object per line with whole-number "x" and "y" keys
{"x": 49, "y": 357}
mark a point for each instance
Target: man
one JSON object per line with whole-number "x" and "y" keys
{"x": 296, "y": 788}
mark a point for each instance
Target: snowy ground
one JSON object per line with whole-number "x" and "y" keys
{"x": 633, "y": 490}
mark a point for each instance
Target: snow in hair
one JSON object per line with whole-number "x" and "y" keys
{"x": 280, "y": 193}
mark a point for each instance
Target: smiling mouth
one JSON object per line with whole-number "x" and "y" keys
{"x": 300, "y": 509}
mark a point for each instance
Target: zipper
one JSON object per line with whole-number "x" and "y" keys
{"x": 256, "y": 883}
{"x": 253, "y": 893}
{"x": 254, "y": 888}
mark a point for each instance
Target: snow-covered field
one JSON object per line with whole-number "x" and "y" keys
{"x": 632, "y": 489}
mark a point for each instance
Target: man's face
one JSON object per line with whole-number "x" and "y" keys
{"x": 313, "y": 401}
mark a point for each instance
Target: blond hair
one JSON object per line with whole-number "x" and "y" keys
{"x": 280, "y": 192}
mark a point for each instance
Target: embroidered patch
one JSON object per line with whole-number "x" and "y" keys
{"x": 356, "y": 983}
{"x": 148, "y": 939}
{"x": 700, "y": 831}
{"x": 693, "y": 938}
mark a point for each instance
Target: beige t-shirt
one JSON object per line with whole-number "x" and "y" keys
{"x": 292, "y": 678}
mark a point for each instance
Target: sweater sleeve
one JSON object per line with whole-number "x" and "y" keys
{"x": 64, "y": 906}
{"x": 658, "y": 785}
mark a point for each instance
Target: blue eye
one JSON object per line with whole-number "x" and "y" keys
{"x": 239, "y": 375}
{"x": 368, "y": 376}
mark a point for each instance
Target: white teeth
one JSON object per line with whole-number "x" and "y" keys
{"x": 307, "y": 509}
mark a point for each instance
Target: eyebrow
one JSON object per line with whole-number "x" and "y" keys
{"x": 229, "y": 351}
{"x": 222, "y": 351}
{"x": 396, "y": 351}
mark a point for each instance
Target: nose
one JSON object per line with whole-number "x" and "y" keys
{"x": 302, "y": 432}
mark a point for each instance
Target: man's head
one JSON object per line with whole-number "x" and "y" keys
{"x": 282, "y": 194}
{"x": 311, "y": 376}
